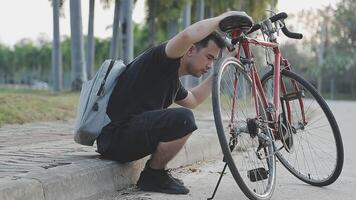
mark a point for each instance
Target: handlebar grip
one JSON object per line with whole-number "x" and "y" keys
{"x": 286, "y": 32}
{"x": 278, "y": 16}
{"x": 291, "y": 34}
{"x": 274, "y": 18}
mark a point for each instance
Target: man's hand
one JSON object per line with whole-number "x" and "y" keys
{"x": 179, "y": 44}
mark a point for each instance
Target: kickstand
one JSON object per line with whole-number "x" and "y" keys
{"x": 218, "y": 183}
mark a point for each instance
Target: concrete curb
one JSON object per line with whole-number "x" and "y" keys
{"x": 90, "y": 177}
{"x": 21, "y": 189}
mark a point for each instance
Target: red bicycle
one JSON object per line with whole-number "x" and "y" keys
{"x": 280, "y": 115}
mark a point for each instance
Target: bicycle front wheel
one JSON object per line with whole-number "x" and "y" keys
{"x": 318, "y": 155}
{"x": 247, "y": 146}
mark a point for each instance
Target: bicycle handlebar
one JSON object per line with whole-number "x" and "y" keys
{"x": 273, "y": 19}
{"x": 290, "y": 34}
{"x": 278, "y": 16}
{"x": 285, "y": 31}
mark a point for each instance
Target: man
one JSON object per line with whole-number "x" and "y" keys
{"x": 142, "y": 124}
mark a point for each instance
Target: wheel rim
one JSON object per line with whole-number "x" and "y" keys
{"x": 246, "y": 162}
{"x": 315, "y": 156}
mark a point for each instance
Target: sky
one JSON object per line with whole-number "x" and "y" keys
{"x": 33, "y": 19}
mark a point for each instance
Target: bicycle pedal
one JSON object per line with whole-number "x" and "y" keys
{"x": 257, "y": 174}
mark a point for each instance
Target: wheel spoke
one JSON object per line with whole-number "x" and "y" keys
{"x": 244, "y": 162}
{"x": 315, "y": 158}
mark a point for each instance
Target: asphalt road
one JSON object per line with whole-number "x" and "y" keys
{"x": 201, "y": 178}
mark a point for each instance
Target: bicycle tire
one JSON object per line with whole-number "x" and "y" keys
{"x": 253, "y": 190}
{"x": 291, "y": 160}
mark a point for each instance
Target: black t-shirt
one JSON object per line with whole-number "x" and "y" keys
{"x": 151, "y": 82}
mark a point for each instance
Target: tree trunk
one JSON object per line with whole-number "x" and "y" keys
{"x": 56, "y": 50}
{"x": 172, "y": 27}
{"x": 90, "y": 42}
{"x": 210, "y": 11}
{"x": 200, "y": 10}
{"x": 115, "y": 32}
{"x": 77, "y": 53}
{"x": 243, "y": 5}
{"x": 152, "y": 5}
{"x": 187, "y": 14}
{"x": 186, "y": 80}
{"x": 200, "y": 16}
{"x": 128, "y": 31}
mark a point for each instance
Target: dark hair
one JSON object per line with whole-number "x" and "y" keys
{"x": 217, "y": 39}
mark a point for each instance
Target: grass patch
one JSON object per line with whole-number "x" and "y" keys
{"x": 22, "y": 106}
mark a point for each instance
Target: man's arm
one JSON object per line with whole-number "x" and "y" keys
{"x": 179, "y": 44}
{"x": 197, "y": 95}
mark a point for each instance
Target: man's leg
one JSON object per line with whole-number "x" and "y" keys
{"x": 166, "y": 151}
{"x": 164, "y": 131}
{"x": 168, "y": 130}
{"x": 154, "y": 177}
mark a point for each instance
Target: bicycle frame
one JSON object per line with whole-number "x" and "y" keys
{"x": 278, "y": 86}
{"x": 271, "y": 120}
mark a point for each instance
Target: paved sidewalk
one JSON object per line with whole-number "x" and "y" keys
{"x": 41, "y": 161}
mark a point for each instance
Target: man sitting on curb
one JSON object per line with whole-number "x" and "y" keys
{"x": 142, "y": 124}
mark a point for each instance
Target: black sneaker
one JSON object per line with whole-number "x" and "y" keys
{"x": 147, "y": 166}
{"x": 160, "y": 181}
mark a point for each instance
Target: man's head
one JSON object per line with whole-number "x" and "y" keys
{"x": 200, "y": 56}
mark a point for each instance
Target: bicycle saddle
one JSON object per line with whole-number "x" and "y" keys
{"x": 236, "y": 22}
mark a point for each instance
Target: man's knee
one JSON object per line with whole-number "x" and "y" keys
{"x": 184, "y": 118}
{"x": 175, "y": 124}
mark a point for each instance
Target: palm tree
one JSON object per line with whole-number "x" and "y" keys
{"x": 186, "y": 80}
{"x": 115, "y": 32}
{"x": 200, "y": 13}
{"x": 170, "y": 12}
{"x": 77, "y": 53}
{"x": 90, "y": 40}
{"x": 121, "y": 43}
{"x": 56, "y": 49}
{"x": 127, "y": 30}
{"x": 187, "y": 14}
{"x": 152, "y": 5}
{"x": 200, "y": 10}
{"x": 255, "y": 8}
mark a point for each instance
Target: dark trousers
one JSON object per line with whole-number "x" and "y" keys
{"x": 140, "y": 136}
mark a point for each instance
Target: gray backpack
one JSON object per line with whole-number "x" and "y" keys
{"x": 94, "y": 96}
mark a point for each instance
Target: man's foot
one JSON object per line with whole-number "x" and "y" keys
{"x": 147, "y": 166}
{"x": 160, "y": 181}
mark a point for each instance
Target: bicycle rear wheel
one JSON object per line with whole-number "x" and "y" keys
{"x": 318, "y": 155}
{"x": 248, "y": 150}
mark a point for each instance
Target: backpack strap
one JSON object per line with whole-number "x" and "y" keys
{"x": 106, "y": 76}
